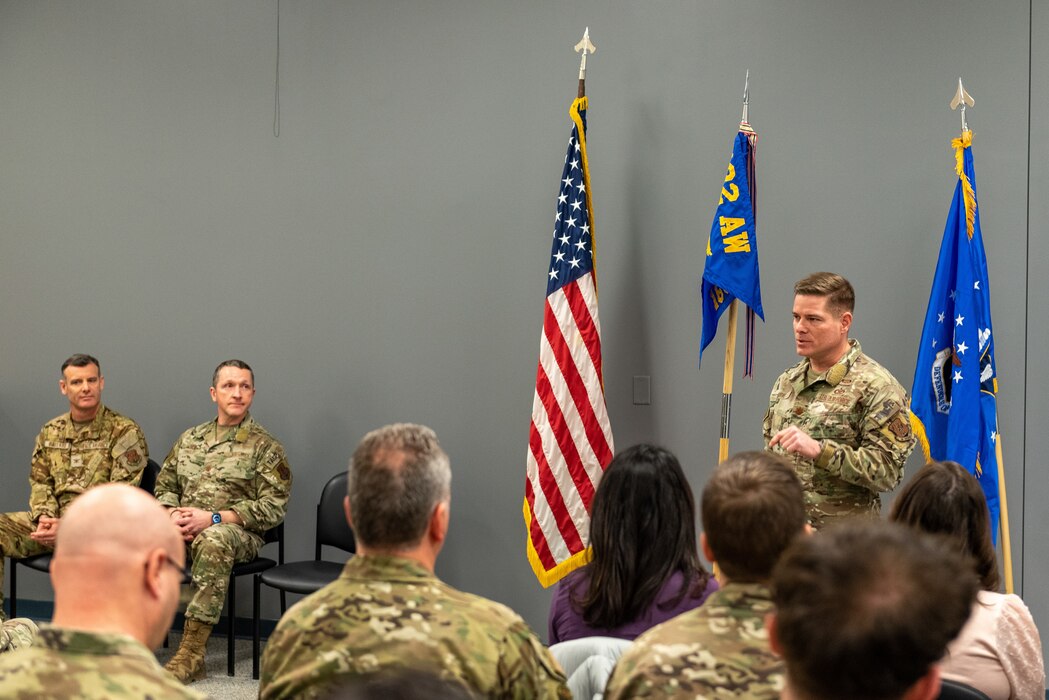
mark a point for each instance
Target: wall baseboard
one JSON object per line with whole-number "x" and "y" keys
{"x": 42, "y": 610}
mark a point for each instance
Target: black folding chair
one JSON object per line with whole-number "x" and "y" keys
{"x": 311, "y": 575}
{"x": 42, "y": 562}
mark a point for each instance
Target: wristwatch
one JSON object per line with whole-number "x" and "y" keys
{"x": 216, "y": 519}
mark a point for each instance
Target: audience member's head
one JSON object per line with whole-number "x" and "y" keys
{"x": 865, "y": 610}
{"x": 118, "y": 564}
{"x": 753, "y": 507}
{"x": 642, "y": 530}
{"x": 944, "y": 499}
{"x": 399, "y": 685}
{"x": 399, "y": 490}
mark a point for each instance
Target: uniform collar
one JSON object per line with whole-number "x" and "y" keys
{"x": 208, "y": 431}
{"x": 385, "y": 568}
{"x": 92, "y": 429}
{"x": 799, "y": 373}
{"x": 70, "y": 641}
{"x": 735, "y": 593}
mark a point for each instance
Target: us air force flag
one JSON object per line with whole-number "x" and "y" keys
{"x": 953, "y": 406}
{"x": 731, "y": 269}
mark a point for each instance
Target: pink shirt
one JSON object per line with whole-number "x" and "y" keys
{"x": 998, "y": 651}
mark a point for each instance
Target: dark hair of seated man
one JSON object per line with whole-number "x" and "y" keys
{"x": 865, "y": 610}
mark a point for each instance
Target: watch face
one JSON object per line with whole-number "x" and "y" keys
{"x": 216, "y": 518}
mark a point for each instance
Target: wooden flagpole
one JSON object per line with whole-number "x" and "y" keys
{"x": 1003, "y": 516}
{"x": 730, "y": 338}
{"x": 726, "y": 387}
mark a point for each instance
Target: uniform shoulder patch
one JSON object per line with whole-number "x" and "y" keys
{"x": 132, "y": 456}
{"x": 900, "y": 427}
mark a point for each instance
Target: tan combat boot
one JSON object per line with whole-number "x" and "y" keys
{"x": 187, "y": 664}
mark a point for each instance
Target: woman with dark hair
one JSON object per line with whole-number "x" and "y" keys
{"x": 644, "y": 566}
{"x": 998, "y": 651}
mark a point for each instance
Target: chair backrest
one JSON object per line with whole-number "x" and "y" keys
{"x": 149, "y": 477}
{"x": 332, "y": 528}
{"x": 953, "y": 690}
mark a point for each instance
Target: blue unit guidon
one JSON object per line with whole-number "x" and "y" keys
{"x": 731, "y": 268}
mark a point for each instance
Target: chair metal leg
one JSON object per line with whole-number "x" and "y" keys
{"x": 231, "y": 604}
{"x": 255, "y": 613}
{"x": 14, "y": 587}
{"x": 283, "y": 602}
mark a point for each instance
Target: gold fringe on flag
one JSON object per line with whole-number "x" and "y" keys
{"x": 960, "y": 144}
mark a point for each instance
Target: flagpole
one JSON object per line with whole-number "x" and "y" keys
{"x": 584, "y": 47}
{"x": 560, "y": 484}
{"x": 961, "y": 99}
{"x": 730, "y": 338}
{"x": 726, "y": 386}
{"x": 1003, "y": 516}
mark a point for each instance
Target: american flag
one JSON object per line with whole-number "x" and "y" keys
{"x": 570, "y": 441}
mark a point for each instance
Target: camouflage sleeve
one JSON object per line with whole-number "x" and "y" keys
{"x": 42, "y": 499}
{"x": 17, "y": 633}
{"x": 527, "y": 669}
{"x": 766, "y": 423}
{"x": 626, "y": 681}
{"x": 272, "y": 490}
{"x": 675, "y": 669}
{"x": 885, "y": 443}
{"x": 278, "y": 654}
{"x": 167, "y": 490}
{"x": 130, "y": 454}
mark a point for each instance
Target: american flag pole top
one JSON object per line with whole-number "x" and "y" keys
{"x": 584, "y": 47}
{"x": 962, "y": 98}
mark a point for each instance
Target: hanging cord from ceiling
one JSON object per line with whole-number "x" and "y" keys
{"x": 276, "y": 82}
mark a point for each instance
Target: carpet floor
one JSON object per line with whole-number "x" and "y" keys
{"x": 218, "y": 684}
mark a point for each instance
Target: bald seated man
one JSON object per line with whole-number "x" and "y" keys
{"x": 117, "y": 568}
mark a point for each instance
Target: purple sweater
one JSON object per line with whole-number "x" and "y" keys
{"x": 566, "y": 622}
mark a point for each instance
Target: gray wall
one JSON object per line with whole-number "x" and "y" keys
{"x": 383, "y": 258}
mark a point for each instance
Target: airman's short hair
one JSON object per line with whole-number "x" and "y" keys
{"x": 237, "y": 364}
{"x": 753, "y": 507}
{"x": 398, "y": 475}
{"x": 80, "y": 360}
{"x": 865, "y": 607}
{"x": 841, "y": 297}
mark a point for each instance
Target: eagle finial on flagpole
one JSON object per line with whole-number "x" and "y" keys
{"x": 961, "y": 97}
{"x": 584, "y": 46}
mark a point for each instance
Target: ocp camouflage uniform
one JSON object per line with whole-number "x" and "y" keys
{"x": 17, "y": 633}
{"x": 67, "y": 460}
{"x": 390, "y": 613}
{"x": 68, "y": 663}
{"x": 240, "y": 468}
{"x": 861, "y": 418}
{"x": 718, "y": 650}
